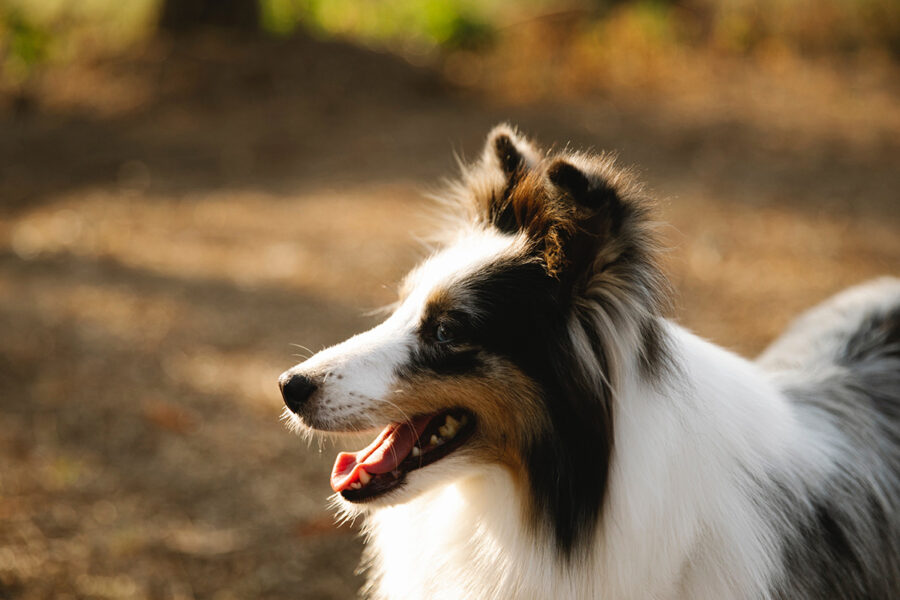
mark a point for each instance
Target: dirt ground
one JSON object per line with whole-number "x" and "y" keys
{"x": 171, "y": 222}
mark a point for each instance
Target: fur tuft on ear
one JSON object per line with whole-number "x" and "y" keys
{"x": 601, "y": 209}
{"x": 507, "y": 149}
{"x": 511, "y": 160}
{"x": 568, "y": 178}
{"x": 589, "y": 192}
{"x": 508, "y": 157}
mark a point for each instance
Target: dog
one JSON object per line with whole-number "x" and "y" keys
{"x": 541, "y": 430}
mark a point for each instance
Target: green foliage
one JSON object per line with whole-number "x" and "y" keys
{"x": 450, "y": 23}
{"x": 282, "y": 17}
{"x": 24, "y": 45}
{"x": 655, "y": 19}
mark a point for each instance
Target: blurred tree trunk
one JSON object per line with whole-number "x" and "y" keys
{"x": 189, "y": 15}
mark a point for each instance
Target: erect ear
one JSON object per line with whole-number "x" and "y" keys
{"x": 604, "y": 213}
{"x": 506, "y": 159}
{"x": 509, "y": 151}
{"x": 596, "y": 199}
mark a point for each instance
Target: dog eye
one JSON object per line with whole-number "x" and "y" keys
{"x": 442, "y": 334}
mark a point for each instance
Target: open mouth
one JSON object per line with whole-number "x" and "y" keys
{"x": 400, "y": 448}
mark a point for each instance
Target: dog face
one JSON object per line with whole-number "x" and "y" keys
{"x": 495, "y": 353}
{"x": 455, "y": 347}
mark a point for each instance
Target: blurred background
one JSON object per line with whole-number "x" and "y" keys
{"x": 189, "y": 187}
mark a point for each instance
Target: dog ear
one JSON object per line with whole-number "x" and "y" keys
{"x": 600, "y": 216}
{"x": 599, "y": 208}
{"x": 509, "y": 151}
{"x": 507, "y": 158}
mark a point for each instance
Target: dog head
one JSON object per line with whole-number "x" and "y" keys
{"x": 505, "y": 344}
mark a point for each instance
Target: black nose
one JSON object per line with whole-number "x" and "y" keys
{"x": 296, "y": 390}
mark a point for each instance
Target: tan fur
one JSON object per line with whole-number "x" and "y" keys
{"x": 548, "y": 222}
{"x": 506, "y": 403}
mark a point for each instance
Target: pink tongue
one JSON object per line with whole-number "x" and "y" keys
{"x": 381, "y": 456}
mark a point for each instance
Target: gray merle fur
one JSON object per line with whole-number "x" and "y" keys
{"x": 843, "y": 536}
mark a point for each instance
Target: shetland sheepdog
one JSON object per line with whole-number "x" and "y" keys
{"x": 541, "y": 430}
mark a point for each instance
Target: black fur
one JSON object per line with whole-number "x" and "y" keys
{"x": 513, "y": 166}
{"x": 511, "y": 160}
{"x": 594, "y": 193}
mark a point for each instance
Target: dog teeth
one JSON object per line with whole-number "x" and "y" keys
{"x": 416, "y": 451}
{"x": 436, "y": 441}
{"x": 452, "y": 426}
{"x": 449, "y": 428}
{"x": 355, "y": 485}
{"x": 364, "y": 477}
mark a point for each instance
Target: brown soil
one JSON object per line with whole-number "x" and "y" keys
{"x": 172, "y": 221}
